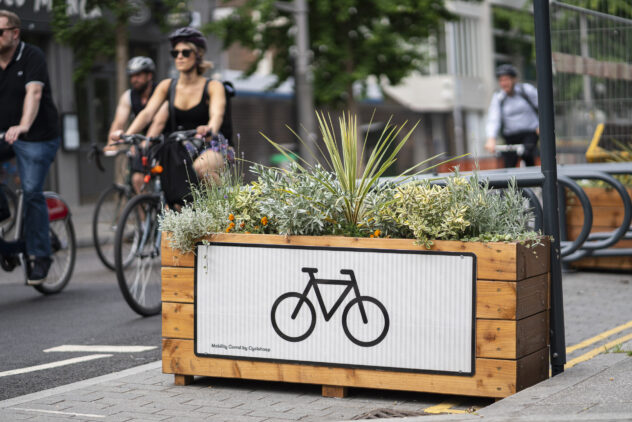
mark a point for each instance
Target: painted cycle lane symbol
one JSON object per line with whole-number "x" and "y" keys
{"x": 293, "y": 329}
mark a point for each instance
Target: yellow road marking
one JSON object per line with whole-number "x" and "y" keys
{"x": 445, "y": 407}
{"x": 598, "y": 337}
{"x": 597, "y": 350}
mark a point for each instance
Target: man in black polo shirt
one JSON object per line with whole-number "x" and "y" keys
{"x": 29, "y": 118}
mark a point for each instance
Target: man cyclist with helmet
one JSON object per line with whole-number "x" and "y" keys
{"x": 513, "y": 114}
{"x": 141, "y": 71}
{"x": 194, "y": 101}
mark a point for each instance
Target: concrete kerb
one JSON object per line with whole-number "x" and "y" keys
{"x": 79, "y": 385}
{"x": 598, "y": 389}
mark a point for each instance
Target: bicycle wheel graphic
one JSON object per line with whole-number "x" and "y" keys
{"x": 365, "y": 333}
{"x": 288, "y": 328}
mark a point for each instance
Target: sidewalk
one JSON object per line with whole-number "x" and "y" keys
{"x": 599, "y": 389}
{"x": 82, "y": 221}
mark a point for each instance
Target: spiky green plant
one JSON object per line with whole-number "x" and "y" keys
{"x": 354, "y": 182}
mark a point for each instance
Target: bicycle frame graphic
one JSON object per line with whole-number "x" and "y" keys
{"x": 359, "y": 300}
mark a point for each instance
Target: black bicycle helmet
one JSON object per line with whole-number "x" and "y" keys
{"x": 188, "y": 34}
{"x": 506, "y": 69}
{"x": 140, "y": 64}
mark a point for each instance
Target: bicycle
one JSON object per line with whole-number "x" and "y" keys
{"x": 137, "y": 242}
{"x": 359, "y": 300}
{"x": 112, "y": 201}
{"x": 62, "y": 237}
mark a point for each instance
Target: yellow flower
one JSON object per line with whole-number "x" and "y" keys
{"x": 264, "y": 220}
{"x": 231, "y": 217}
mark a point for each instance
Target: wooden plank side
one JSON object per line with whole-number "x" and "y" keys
{"x": 493, "y": 378}
{"x": 532, "y": 369}
{"x": 511, "y": 300}
{"x": 507, "y": 339}
{"x": 533, "y": 296}
{"x": 178, "y": 284}
{"x": 495, "y": 260}
{"x": 177, "y": 320}
{"x": 533, "y": 259}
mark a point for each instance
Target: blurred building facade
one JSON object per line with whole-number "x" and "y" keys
{"x": 449, "y": 96}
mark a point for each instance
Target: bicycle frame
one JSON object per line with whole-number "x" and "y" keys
{"x": 314, "y": 282}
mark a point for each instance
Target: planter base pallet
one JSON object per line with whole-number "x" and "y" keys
{"x": 511, "y": 324}
{"x": 607, "y": 217}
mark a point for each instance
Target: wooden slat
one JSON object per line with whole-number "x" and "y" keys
{"x": 619, "y": 263}
{"x": 505, "y": 339}
{"x": 599, "y": 196}
{"x": 495, "y": 260}
{"x": 183, "y": 379}
{"x": 602, "y": 216}
{"x": 511, "y": 300}
{"x": 177, "y": 284}
{"x": 573, "y": 232}
{"x": 493, "y": 378}
{"x": 533, "y": 369}
{"x": 177, "y": 320}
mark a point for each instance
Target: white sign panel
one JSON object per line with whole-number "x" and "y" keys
{"x": 385, "y": 309}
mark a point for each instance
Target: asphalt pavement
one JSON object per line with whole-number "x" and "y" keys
{"x": 596, "y": 385}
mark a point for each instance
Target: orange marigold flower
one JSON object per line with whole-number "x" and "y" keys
{"x": 377, "y": 233}
{"x": 231, "y": 225}
{"x": 264, "y": 220}
{"x": 371, "y": 236}
{"x": 231, "y": 217}
{"x": 228, "y": 229}
{"x": 242, "y": 224}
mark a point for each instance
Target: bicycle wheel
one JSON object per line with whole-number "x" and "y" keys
{"x": 64, "y": 251}
{"x": 293, "y": 329}
{"x": 106, "y": 214}
{"x": 138, "y": 235}
{"x": 12, "y": 199}
{"x": 369, "y": 332}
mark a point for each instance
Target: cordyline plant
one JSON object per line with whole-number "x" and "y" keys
{"x": 342, "y": 156}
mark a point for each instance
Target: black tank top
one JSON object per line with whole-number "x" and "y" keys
{"x": 137, "y": 104}
{"x": 195, "y": 116}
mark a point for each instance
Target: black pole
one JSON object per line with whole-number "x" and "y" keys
{"x": 549, "y": 170}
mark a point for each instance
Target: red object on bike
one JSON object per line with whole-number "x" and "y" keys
{"x": 144, "y": 161}
{"x": 147, "y": 178}
{"x": 57, "y": 210}
{"x": 157, "y": 169}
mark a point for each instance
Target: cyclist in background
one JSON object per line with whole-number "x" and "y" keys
{"x": 141, "y": 71}
{"x": 27, "y": 112}
{"x": 195, "y": 102}
{"x": 513, "y": 114}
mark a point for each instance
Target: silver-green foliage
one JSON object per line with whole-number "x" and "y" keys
{"x": 463, "y": 209}
{"x": 296, "y": 202}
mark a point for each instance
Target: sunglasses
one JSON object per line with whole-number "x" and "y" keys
{"x": 185, "y": 53}
{"x": 11, "y": 28}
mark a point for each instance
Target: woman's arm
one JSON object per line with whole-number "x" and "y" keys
{"x": 153, "y": 105}
{"x": 216, "y": 108}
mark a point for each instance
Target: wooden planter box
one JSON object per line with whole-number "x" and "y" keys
{"x": 511, "y": 325}
{"x": 607, "y": 216}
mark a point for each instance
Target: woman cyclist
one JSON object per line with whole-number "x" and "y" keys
{"x": 197, "y": 103}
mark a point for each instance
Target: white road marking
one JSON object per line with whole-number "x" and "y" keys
{"x": 52, "y": 365}
{"x": 55, "y": 412}
{"x": 100, "y": 349}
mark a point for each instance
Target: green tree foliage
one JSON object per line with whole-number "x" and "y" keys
{"x": 350, "y": 39}
{"x": 94, "y": 36}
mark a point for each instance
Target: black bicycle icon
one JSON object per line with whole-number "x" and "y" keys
{"x": 360, "y": 302}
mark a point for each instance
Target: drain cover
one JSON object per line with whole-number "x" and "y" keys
{"x": 389, "y": 413}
